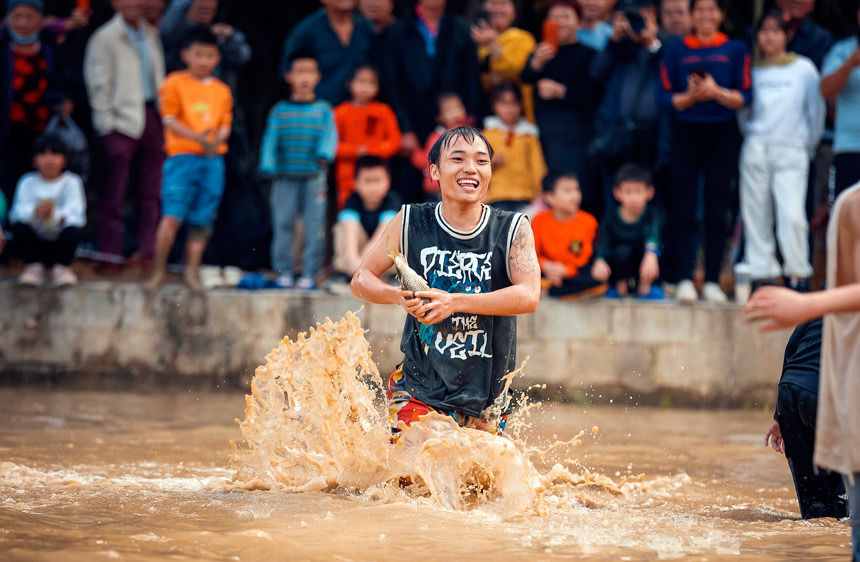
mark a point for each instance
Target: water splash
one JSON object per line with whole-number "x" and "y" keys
{"x": 316, "y": 420}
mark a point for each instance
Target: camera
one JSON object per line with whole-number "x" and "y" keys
{"x": 632, "y": 10}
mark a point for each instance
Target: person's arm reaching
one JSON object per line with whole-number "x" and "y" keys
{"x": 367, "y": 283}
{"x": 783, "y": 308}
{"x": 836, "y": 73}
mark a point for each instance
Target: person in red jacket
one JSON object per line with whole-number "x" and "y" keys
{"x": 365, "y": 126}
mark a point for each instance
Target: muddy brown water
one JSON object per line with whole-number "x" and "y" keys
{"x": 102, "y": 476}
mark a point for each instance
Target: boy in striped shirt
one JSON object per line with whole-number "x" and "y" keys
{"x": 298, "y": 145}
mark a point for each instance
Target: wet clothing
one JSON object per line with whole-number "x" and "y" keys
{"x": 458, "y": 364}
{"x": 402, "y": 407}
{"x": 819, "y": 493}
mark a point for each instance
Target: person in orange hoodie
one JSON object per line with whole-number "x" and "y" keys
{"x": 564, "y": 240}
{"x": 365, "y": 126}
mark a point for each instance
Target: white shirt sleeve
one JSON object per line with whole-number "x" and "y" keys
{"x": 25, "y": 200}
{"x": 816, "y": 110}
{"x": 72, "y": 203}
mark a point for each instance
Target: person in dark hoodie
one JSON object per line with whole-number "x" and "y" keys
{"x": 427, "y": 52}
{"x": 628, "y": 118}
{"x": 566, "y": 98}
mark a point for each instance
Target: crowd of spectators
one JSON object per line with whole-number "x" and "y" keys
{"x": 632, "y": 131}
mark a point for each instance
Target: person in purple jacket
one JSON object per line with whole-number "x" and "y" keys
{"x": 705, "y": 79}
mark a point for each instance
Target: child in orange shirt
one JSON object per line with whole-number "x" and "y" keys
{"x": 451, "y": 114}
{"x": 197, "y": 111}
{"x": 564, "y": 240}
{"x": 364, "y": 127}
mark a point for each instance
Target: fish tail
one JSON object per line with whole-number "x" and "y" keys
{"x": 393, "y": 250}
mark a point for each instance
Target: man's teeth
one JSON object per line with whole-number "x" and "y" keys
{"x": 468, "y": 183}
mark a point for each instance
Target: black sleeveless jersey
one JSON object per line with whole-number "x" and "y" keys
{"x": 458, "y": 364}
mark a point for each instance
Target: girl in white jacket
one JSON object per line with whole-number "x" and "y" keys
{"x": 782, "y": 128}
{"x": 47, "y": 215}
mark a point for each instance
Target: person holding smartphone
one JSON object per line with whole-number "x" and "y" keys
{"x": 566, "y": 95}
{"x": 705, "y": 79}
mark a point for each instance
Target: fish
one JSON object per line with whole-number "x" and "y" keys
{"x": 409, "y": 279}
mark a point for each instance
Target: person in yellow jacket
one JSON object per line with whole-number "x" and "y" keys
{"x": 518, "y": 163}
{"x": 503, "y": 50}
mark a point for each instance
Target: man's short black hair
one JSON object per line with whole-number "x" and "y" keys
{"x": 199, "y": 34}
{"x": 550, "y": 181}
{"x": 469, "y": 134}
{"x": 367, "y": 161}
{"x": 50, "y": 143}
{"x": 300, "y": 54}
{"x": 632, "y": 173}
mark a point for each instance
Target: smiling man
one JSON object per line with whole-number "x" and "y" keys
{"x": 459, "y": 340}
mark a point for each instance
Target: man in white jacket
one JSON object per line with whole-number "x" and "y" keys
{"x": 123, "y": 69}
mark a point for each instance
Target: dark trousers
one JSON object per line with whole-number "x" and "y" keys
{"x": 120, "y": 152}
{"x": 624, "y": 261}
{"x": 565, "y": 143}
{"x": 819, "y": 492}
{"x": 33, "y": 249}
{"x": 16, "y": 158}
{"x": 580, "y": 282}
{"x": 642, "y": 151}
{"x": 847, "y": 171}
{"x": 710, "y": 149}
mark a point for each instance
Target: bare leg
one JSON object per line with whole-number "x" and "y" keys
{"x": 644, "y": 287}
{"x": 167, "y": 228}
{"x": 193, "y": 256}
{"x": 621, "y": 287}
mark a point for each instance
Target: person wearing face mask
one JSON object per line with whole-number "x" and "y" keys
{"x": 28, "y": 87}
{"x": 628, "y": 118}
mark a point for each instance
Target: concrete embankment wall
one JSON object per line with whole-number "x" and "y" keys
{"x": 113, "y": 334}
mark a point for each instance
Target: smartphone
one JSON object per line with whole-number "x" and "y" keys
{"x": 637, "y": 22}
{"x": 550, "y": 33}
{"x": 482, "y": 15}
{"x": 83, "y": 5}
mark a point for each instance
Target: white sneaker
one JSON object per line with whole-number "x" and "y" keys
{"x": 64, "y": 276}
{"x": 686, "y": 292}
{"x": 285, "y": 281}
{"x": 713, "y": 293}
{"x": 33, "y": 274}
{"x": 210, "y": 277}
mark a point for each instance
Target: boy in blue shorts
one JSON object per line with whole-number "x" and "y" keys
{"x": 197, "y": 111}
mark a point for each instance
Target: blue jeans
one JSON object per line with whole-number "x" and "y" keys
{"x": 291, "y": 196}
{"x": 193, "y": 186}
{"x": 854, "y": 509}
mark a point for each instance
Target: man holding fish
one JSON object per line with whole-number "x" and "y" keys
{"x": 465, "y": 270}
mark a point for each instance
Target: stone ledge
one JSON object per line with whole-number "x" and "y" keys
{"x": 98, "y": 330}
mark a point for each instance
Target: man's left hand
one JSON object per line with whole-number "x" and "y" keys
{"x": 440, "y": 307}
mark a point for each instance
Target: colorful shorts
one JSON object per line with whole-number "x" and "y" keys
{"x": 404, "y": 407}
